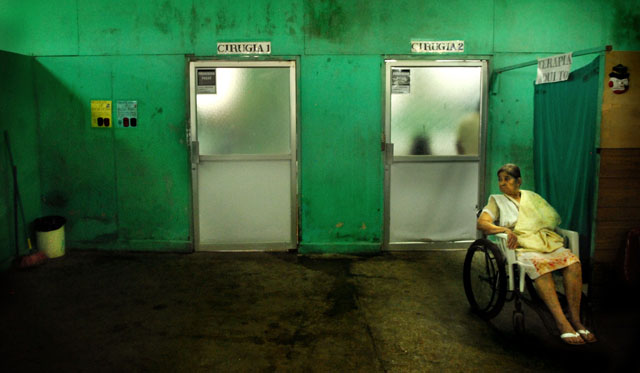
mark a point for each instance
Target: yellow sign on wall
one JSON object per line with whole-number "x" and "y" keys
{"x": 101, "y": 114}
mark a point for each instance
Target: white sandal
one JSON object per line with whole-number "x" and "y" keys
{"x": 583, "y": 333}
{"x": 564, "y": 336}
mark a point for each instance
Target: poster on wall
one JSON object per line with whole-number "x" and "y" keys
{"x": 400, "y": 81}
{"x": 206, "y": 81}
{"x": 101, "y": 114}
{"x": 554, "y": 69}
{"x": 127, "y": 114}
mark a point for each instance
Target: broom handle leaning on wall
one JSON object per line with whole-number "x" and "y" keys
{"x": 17, "y": 200}
{"x": 21, "y": 210}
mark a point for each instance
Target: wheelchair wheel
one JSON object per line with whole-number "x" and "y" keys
{"x": 485, "y": 279}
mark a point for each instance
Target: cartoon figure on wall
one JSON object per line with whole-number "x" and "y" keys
{"x": 619, "y": 79}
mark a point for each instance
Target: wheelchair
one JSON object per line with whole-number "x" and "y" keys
{"x": 492, "y": 275}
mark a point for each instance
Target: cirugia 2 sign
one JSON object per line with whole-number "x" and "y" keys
{"x": 449, "y": 46}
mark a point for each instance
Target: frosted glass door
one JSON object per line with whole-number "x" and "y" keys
{"x": 433, "y": 122}
{"x": 245, "y": 179}
{"x": 245, "y": 202}
{"x": 440, "y": 113}
{"x": 249, "y": 113}
{"x": 433, "y": 202}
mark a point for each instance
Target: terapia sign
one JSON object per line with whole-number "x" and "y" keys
{"x": 554, "y": 69}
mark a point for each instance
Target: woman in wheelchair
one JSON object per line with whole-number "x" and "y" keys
{"x": 529, "y": 222}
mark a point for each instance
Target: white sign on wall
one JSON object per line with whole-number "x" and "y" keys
{"x": 127, "y": 114}
{"x": 253, "y": 47}
{"x": 449, "y": 46}
{"x": 554, "y": 69}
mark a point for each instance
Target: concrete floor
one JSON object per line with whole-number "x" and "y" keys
{"x": 221, "y": 312}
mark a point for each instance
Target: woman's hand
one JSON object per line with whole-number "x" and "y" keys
{"x": 485, "y": 224}
{"x": 512, "y": 239}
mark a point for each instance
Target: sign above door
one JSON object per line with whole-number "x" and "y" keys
{"x": 449, "y": 46}
{"x": 251, "y": 47}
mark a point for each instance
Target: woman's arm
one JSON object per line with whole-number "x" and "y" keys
{"x": 485, "y": 224}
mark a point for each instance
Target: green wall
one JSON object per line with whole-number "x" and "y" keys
{"x": 119, "y": 188}
{"x": 510, "y": 134}
{"x": 341, "y": 162}
{"x": 18, "y": 117}
{"x": 527, "y": 30}
{"x": 130, "y": 189}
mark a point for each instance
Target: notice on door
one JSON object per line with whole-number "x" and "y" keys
{"x": 400, "y": 81}
{"x": 101, "y": 114}
{"x": 554, "y": 69}
{"x": 206, "y": 81}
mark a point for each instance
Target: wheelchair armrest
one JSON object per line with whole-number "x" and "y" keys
{"x": 573, "y": 239}
{"x": 510, "y": 255}
{"x": 510, "y": 258}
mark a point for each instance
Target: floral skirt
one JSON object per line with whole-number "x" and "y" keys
{"x": 537, "y": 264}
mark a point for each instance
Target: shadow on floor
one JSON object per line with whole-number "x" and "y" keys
{"x": 99, "y": 311}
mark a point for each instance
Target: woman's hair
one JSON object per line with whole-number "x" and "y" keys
{"x": 511, "y": 169}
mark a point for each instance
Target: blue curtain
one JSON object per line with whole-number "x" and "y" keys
{"x": 565, "y": 124}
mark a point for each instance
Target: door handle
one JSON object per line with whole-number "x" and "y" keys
{"x": 195, "y": 152}
{"x": 388, "y": 153}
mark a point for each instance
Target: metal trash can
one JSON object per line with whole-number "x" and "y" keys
{"x": 50, "y": 235}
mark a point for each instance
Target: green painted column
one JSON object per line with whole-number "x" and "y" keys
{"x": 341, "y": 160}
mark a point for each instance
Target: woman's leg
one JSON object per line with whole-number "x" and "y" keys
{"x": 546, "y": 289}
{"x": 572, "y": 277}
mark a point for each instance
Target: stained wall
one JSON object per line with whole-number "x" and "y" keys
{"x": 19, "y": 118}
{"x": 131, "y": 189}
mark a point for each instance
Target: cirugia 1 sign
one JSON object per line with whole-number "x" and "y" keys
{"x": 254, "y": 47}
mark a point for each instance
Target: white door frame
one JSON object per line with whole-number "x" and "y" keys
{"x": 196, "y": 158}
{"x": 388, "y": 148}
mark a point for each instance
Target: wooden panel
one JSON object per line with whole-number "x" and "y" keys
{"x": 602, "y": 269}
{"x": 631, "y": 59}
{"x": 606, "y": 256}
{"x": 620, "y": 163}
{"x": 618, "y": 214}
{"x": 613, "y": 235}
{"x": 619, "y": 192}
{"x": 618, "y": 201}
{"x": 620, "y": 112}
{"x": 619, "y": 128}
